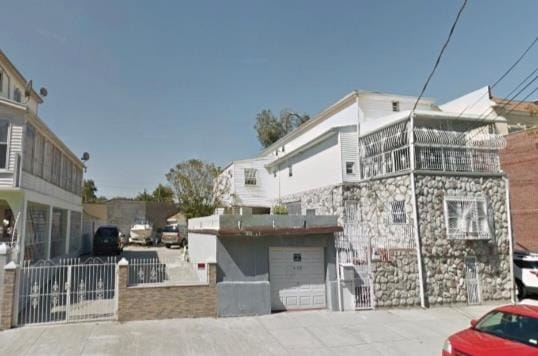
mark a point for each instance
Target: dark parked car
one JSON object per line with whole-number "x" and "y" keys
{"x": 106, "y": 241}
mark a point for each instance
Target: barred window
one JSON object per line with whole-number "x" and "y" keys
{"x": 250, "y": 176}
{"x": 397, "y": 212}
{"x": 466, "y": 218}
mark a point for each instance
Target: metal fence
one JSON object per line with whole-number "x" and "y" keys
{"x": 67, "y": 290}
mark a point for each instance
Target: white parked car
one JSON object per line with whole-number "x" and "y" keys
{"x": 526, "y": 273}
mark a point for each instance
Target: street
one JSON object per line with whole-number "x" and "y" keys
{"x": 378, "y": 332}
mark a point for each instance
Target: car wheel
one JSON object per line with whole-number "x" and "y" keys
{"x": 521, "y": 290}
{"x": 167, "y": 245}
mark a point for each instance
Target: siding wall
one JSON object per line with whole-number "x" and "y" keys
{"x": 316, "y": 167}
{"x": 253, "y": 195}
{"x": 350, "y": 153}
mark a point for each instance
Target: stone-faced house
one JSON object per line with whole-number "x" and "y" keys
{"x": 422, "y": 198}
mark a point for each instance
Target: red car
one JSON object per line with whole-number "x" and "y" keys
{"x": 507, "y": 330}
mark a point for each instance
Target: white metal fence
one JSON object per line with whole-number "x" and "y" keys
{"x": 472, "y": 281}
{"x": 67, "y": 290}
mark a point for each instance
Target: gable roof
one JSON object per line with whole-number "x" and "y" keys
{"x": 11, "y": 67}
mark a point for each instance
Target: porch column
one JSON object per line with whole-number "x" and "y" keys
{"x": 68, "y": 231}
{"x": 49, "y": 233}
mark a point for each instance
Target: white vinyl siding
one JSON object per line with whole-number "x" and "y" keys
{"x": 350, "y": 154}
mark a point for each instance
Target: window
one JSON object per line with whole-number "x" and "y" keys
{"x": 310, "y": 212}
{"x": 29, "y": 143}
{"x": 56, "y": 165}
{"x": 250, "y": 176}
{"x": 37, "y": 232}
{"x": 4, "y": 135}
{"x": 397, "y": 212}
{"x": 47, "y": 161}
{"x": 466, "y": 218}
{"x": 519, "y": 328}
{"x": 290, "y": 171}
{"x": 283, "y": 149}
{"x": 39, "y": 151}
{"x": 395, "y": 106}
{"x": 1, "y": 82}
{"x": 58, "y": 235}
{"x": 350, "y": 167}
{"x": 75, "y": 232}
{"x": 17, "y": 95}
{"x": 351, "y": 211}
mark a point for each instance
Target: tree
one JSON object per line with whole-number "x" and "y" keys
{"x": 88, "y": 191}
{"x": 270, "y": 128}
{"x": 144, "y": 196}
{"x": 163, "y": 194}
{"x": 192, "y": 182}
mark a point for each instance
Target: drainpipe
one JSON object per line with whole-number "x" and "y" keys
{"x": 510, "y": 238}
{"x": 338, "y": 281}
{"x": 415, "y": 208}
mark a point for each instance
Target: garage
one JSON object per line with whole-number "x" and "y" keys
{"x": 297, "y": 277}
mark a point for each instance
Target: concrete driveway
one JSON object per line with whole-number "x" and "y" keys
{"x": 380, "y": 332}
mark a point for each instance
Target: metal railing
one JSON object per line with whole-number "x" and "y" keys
{"x": 449, "y": 159}
{"x": 385, "y": 163}
{"x": 148, "y": 271}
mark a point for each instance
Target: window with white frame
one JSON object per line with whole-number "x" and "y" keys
{"x": 4, "y": 144}
{"x": 290, "y": 171}
{"x": 397, "y": 212}
{"x": 350, "y": 167}
{"x": 250, "y": 176}
{"x": 39, "y": 151}
{"x": 395, "y": 106}
{"x": 47, "y": 161}
{"x": 466, "y": 218}
{"x": 351, "y": 211}
{"x": 1, "y": 82}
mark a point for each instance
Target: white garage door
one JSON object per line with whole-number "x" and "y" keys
{"x": 297, "y": 277}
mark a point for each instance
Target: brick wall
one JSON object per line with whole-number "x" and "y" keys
{"x": 8, "y": 295}
{"x": 166, "y": 301}
{"x": 520, "y": 161}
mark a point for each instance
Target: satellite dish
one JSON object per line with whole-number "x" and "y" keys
{"x": 43, "y": 91}
{"x": 28, "y": 89}
{"x": 85, "y": 157}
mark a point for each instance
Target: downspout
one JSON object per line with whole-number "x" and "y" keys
{"x": 510, "y": 238}
{"x": 338, "y": 280}
{"x": 411, "y": 136}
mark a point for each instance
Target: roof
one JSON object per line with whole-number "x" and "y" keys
{"x": 520, "y": 309}
{"x": 370, "y": 126}
{"x": 339, "y": 105}
{"x": 530, "y": 107}
{"x": 20, "y": 77}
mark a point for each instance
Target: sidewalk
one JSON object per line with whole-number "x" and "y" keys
{"x": 379, "y": 332}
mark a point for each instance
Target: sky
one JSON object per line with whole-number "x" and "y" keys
{"x": 143, "y": 85}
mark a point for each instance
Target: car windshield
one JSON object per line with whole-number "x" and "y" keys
{"x": 510, "y": 326}
{"x": 526, "y": 264}
{"x": 107, "y": 232}
{"x": 170, "y": 228}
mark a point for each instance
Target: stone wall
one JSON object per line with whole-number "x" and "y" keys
{"x": 394, "y": 265}
{"x": 395, "y": 273}
{"x": 444, "y": 259}
{"x": 163, "y": 301}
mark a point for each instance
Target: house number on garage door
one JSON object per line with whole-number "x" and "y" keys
{"x": 297, "y": 259}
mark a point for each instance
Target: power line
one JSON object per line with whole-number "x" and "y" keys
{"x": 510, "y": 99}
{"x": 439, "y": 56}
{"x": 502, "y": 76}
{"x": 522, "y": 101}
{"x": 523, "y": 81}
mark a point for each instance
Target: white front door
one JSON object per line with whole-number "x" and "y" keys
{"x": 297, "y": 277}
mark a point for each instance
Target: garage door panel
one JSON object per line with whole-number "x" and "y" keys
{"x": 297, "y": 278}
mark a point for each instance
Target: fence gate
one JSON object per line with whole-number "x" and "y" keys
{"x": 354, "y": 256}
{"x": 68, "y": 290}
{"x": 472, "y": 281}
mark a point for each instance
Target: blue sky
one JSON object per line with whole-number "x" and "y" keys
{"x": 142, "y": 85}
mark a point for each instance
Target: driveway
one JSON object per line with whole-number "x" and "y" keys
{"x": 379, "y": 332}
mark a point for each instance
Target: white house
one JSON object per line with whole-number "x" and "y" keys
{"x": 40, "y": 177}
{"x": 421, "y": 197}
